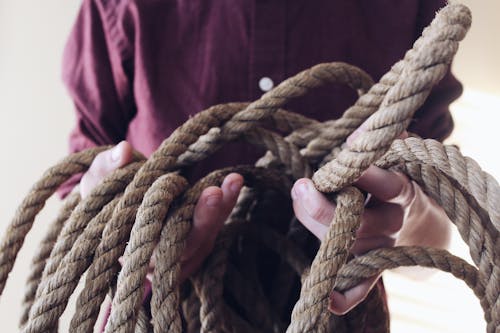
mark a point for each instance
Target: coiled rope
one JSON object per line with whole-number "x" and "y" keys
{"x": 145, "y": 209}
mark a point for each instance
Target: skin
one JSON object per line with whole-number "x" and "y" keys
{"x": 398, "y": 213}
{"x": 213, "y": 207}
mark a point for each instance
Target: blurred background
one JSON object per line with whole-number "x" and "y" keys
{"x": 36, "y": 117}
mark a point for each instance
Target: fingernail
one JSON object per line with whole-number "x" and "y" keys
{"x": 212, "y": 200}
{"x": 116, "y": 152}
{"x": 235, "y": 186}
{"x": 301, "y": 189}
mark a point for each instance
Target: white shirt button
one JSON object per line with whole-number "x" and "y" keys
{"x": 266, "y": 84}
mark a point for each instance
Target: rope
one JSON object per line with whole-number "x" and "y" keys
{"x": 39, "y": 260}
{"x": 266, "y": 272}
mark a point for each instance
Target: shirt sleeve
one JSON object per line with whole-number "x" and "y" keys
{"x": 433, "y": 119}
{"x": 97, "y": 72}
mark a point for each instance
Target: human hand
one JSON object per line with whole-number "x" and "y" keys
{"x": 398, "y": 212}
{"x": 212, "y": 209}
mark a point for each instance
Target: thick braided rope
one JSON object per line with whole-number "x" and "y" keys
{"x": 211, "y": 288}
{"x": 476, "y": 227}
{"x": 375, "y": 261}
{"x": 451, "y": 162}
{"x": 298, "y": 85}
{"x": 74, "y": 250}
{"x": 162, "y": 160}
{"x": 294, "y": 159}
{"x": 473, "y": 223}
{"x": 310, "y": 314}
{"x": 116, "y": 233}
{"x": 186, "y": 134}
{"x": 334, "y": 133}
{"x": 166, "y": 273}
{"x": 39, "y": 260}
{"x": 43, "y": 316}
{"x": 268, "y": 143}
{"x": 190, "y": 312}
{"x": 204, "y": 147}
{"x": 425, "y": 65}
{"x": 143, "y": 323}
{"x": 25, "y": 214}
{"x": 466, "y": 216}
{"x": 252, "y": 302}
{"x": 208, "y": 282}
{"x": 82, "y": 215}
{"x": 200, "y": 129}
{"x": 144, "y": 237}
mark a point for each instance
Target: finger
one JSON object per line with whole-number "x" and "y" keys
{"x": 212, "y": 209}
{"x": 341, "y": 303}
{"x": 205, "y": 219}
{"x": 387, "y": 185}
{"x": 230, "y": 187}
{"x": 384, "y": 219}
{"x": 195, "y": 253}
{"x": 191, "y": 265}
{"x": 311, "y": 207}
{"x": 103, "y": 164}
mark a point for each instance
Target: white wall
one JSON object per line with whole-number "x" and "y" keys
{"x": 477, "y": 61}
{"x": 36, "y": 116}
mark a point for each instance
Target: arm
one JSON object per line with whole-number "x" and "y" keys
{"x": 95, "y": 75}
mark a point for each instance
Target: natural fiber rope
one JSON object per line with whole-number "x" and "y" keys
{"x": 77, "y": 244}
{"x": 93, "y": 238}
{"x": 376, "y": 261}
{"x": 423, "y": 66}
{"x": 145, "y": 236}
{"x": 39, "y": 260}
{"x": 33, "y": 204}
{"x": 452, "y": 190}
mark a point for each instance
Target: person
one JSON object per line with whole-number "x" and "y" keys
{"x": 138, "y": 69}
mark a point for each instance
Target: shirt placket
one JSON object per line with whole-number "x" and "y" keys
{"x": 267, "y": 57}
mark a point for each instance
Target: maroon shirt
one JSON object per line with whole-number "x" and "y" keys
{"x": 137, "y": 69}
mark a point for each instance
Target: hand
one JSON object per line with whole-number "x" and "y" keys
{"x": 398, "y": 212}
{"x": 212, "y": 209}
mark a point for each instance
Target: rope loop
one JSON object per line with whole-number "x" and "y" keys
{"x": 266, "y": 273}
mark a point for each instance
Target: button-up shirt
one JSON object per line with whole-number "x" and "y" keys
{"x": 137, "y": 69}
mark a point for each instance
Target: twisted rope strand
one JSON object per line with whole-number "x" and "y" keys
{"x": 144, "y": 237}
{"x": 310, "y": 314}
{"x": 59, "y": 280}
{"x": 374, "y": 262}
{"x": 94, "y": 237}
{"x": 33, "y": 203}
{"x": 40, "y": 259}
{"x": 425, "y": 65}
{"x": 166, "y": 274}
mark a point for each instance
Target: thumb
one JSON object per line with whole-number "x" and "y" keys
{"x": 103, "y": 164}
